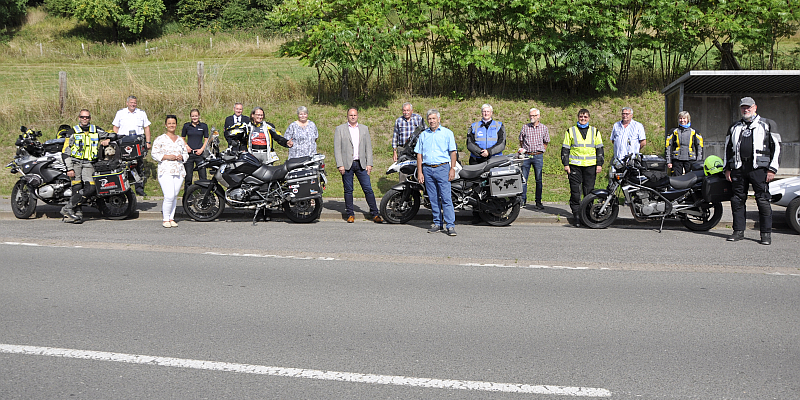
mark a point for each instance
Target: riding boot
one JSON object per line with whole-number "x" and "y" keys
{"x": 68, "y": 212}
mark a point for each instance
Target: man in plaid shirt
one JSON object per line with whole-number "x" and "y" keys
{"x": 533, "y": 140}
{"x": 404, "y": 128}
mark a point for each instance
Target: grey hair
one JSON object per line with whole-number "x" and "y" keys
{"x": 238, "y": 104}
{"x": 534, "y": 109}
{"x": 487, "y": 106}
{"x": 408, "y": 104}
{"x": 302, "y": 109}
{"x": 685, "y": 114}
{"x": 628, "y": 108}
{"x": 130, "y": 98}
{"x": 434, "y": 111}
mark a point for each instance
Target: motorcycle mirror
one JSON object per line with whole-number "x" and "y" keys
{"x": 23, "y": 129}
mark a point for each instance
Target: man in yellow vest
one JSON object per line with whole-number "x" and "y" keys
{"x": 582, "y": 156}
{"x": 80, "y": 151}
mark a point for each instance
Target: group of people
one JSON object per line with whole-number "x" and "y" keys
{"x": 752, "y": 150}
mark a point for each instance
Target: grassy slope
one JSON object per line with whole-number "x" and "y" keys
{"x": 237, "y": 70}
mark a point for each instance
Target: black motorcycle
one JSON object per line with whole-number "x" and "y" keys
{"x": 242, "y": 182}
{"x": 493, "y": 189}
{"x": 44, "y": 177}
{"x": 653, "y": 195}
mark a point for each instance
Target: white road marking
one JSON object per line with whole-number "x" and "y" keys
{"x": 268, "y": 256}
{"x": 525, "y": 266}
{"x": 306, "y": 373}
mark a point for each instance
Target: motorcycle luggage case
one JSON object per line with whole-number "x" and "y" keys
{"x": 132, "y": 147}
{"x": 54, "y": 145}
{"x": 109, "y": 183}
{"x": 654, "y": 163}
{"x": 505, "y": 181}
{"x": 717, "y": 189}
{"x": 303, "y": 184}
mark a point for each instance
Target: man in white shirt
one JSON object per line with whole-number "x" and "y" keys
{"x": 627, "y": 135}
{"x": 133, "y": 121}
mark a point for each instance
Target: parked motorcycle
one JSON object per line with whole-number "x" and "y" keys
{"x": 493, "y": 189}
{"x": 694, "y": 198}
{"x": 786, "y": 192}
{"x": 239, "y": 180}
{"x": 44, "y": 177}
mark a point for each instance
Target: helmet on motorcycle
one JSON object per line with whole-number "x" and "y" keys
{"x": 712, "y": 165}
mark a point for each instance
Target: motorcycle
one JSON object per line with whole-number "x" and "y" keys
{"x": 493, "y": 189}
{"x": 786, "y": 192}
{"x": 239, "y": 180}
{"x": 44, "y": 177}
{"x": 694, "y": 198}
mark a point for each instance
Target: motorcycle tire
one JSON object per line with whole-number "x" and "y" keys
{"x": 118, "y": 206}
{"x": 793, "y": 214}
{"x": 590, "y": 212}
{"x": 712, "y": 213}
{"x": 303, "y": 211}
{"x": 396, "y": 211}
{"x": 505, "y": 218}
{"x": 23, "y": 204}
{"x": 200, "y": 208}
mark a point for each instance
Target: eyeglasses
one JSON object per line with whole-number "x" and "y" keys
{"x": 627, "y": 113}
{"x": 84, "y": 117}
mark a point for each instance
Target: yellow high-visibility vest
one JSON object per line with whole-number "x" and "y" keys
{"x": 582, "y": 152}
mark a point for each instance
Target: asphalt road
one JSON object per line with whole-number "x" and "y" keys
{"x": 229, "y": 310}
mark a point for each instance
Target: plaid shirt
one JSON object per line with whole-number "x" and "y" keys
{"x": 533, "y": 138}
{"x": 404, "y": 128}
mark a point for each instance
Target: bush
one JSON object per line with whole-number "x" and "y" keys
{"x": 199, "y": 13}
{"x": 59, "y": 8}
{"x": 12, "y": 11}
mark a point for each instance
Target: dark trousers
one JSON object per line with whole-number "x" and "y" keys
{"x": 740, "y": 179}
{"x": 363, "y": 180}
{"x": 537, "y": 161}
{"x": 680, "y": 167}
{"x": 581, "y": 181}
{"x": 190, "y": 165}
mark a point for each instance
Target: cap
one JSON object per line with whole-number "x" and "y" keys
{"x": 747, "y": 101}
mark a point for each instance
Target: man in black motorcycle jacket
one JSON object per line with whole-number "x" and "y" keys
{"x": 80, "y": 151}
{"x": 752, "y": 152}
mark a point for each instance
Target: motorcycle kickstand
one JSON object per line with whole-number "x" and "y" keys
{"x": 662, "y": 224}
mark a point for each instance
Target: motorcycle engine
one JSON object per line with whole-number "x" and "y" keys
{"x": 239, "y": 196}
{"x": 52, "y": 190}
{"x": 647, "y": 204}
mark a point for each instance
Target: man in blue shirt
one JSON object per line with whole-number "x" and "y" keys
{"x": 436, "y": 161}
{"x": 627, "y": 135}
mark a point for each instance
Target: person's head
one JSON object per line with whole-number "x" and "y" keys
{"x": 238, "y": 108}
{"x": 408, "y": 109}
{"x": 583, "y": 116}
{"x": 302, "y": 114}
{"x": 171, "y": 123}
{"x": 684, "y": 118}
{"x": 627, "y": 114}
{"x": 194, "y": 115}
{"x": 486, "y": 112}
{"x": 434, "y": 119}
{"x": 84, "y": 117}
{"x": 748, "y": 107}
{"x": 352, "y": 116}
{"x": 257, "y": 116}
{"x": 534, "y": 114}
{"x": 132, "y": 103}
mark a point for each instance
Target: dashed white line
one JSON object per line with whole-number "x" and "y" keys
{"x": 268, "y": 256}
{"x": 306, "y": 373}
{"x": 526, "y": 266}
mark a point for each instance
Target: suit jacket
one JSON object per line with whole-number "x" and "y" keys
{"x": 229, "y": 121}
{"x": 343, "y": 146}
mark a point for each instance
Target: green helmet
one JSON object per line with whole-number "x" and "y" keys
{"x": 712, "y": 165}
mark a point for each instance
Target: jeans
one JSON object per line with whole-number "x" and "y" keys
{"x": 363, "y": 180}
{"x": 537, "y": 162}
{"x": 190, "y": 164}
{"x": 437, "y": 185}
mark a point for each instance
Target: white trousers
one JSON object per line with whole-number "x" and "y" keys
{"x": 170, "y": 186}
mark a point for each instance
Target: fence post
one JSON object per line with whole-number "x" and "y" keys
{"x": 256, "y": 41}
{"x": 41, "y": 53}
{"x": 62, "y": 91}
{"x": 211, "y": 41}
{"x": 200, "y": 82}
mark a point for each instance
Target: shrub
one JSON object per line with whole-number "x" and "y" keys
{"x": 59, "y": 8}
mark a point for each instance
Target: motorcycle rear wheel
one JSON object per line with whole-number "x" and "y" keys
{"x": 396, "y": 211}
{"x": 793, "y": 214}
{"x": 711, "y": 214}
{"x": 22, "y": 201}
{"x": 591, "y": 215}
{"x": 303, "y": 211}
{"x": 202, "y": 208}
{"x": 504, "y": 218}
{"x": 118, "y": 206}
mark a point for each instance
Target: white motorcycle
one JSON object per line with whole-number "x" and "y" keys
{"x": 786, "y": 192}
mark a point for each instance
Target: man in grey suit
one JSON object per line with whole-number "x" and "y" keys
{"x": 352, "y": 149}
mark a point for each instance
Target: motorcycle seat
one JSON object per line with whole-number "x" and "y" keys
{"x": 472, "y": 171}
{"x": 295, "y": 163}
{"x": 268, "y": 173}
{"x": 684, "y": 181}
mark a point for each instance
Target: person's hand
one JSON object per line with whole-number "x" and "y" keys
{"x": 669, "y": 165}
{"x": 290, "y": 143}
{"x": 484, "y": 153}
{"x": 394, "y": 155}
{"x": 71, "y": 173}
{"x": 369, "y": 169}
{"x": 770, "y": 176}
{"x": 728, "y": 175}
{"x": 105, "y": 142}
{"x": 452, "y": 174}
{"x": 341, "y": 170}
{"x": 566, "y": 168}
{"x": 421, "y": 178}
{"x": 198, "y": 151}
{"x": 179, "y": 157}
{"x": 149, "y": 145}
{"x": 189, "y": 149}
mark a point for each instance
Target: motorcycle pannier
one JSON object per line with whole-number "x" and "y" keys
{"x": 108, "y": 183}
{"x": 54, "y": 145}
{"x": 303, "y": 184}
{"x": 505, "y": 181}
{"x": 132, "y": 147}
{"x": 654, "y": 163}
{"x": 717, "y": 189}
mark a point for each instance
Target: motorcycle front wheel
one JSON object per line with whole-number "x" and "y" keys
{"x": 591, "y": 214}
{"x": 303, "y": 211}
{"x": 202, "y": 208}
{"x": 710, "y": 214}
{"x": 793, "y": 214}
{"x": 118, "y": 206}
{"x": 22, "y": 201}
{"x": 509, "y": 214}
{"x": 396, "y": 210}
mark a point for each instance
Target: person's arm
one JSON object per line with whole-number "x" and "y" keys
{"x": 501, "y": 142}
{"x": 367, "y": 140}
{"x": 420, "y": 176}
{"x": 472, "y": 146}
{"x": 147, "y": 136}
{"x": 565, "y": 148}
{"x": 337, "y": 150}
{"x": 116, "y": 123}
{"x": 546, "y": 137}
{"x": 698, "y": 143}
{"x": 395, "y": 140}
{"x": 277, "y": 136}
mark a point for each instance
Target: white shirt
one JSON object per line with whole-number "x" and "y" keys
{"x": 355, "y": 137}
{"x": 626, "y": 140}
{"x": 128, "y": 121}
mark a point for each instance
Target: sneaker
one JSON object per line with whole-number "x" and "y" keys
{"x": 351, "y": 219}
{"x": 378, "y": 219}
{"x": 434, "y": 228}
{"x": 766, "y": 238}
{"x": 451, "y": 232}
{"x": 736, "y": 236}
